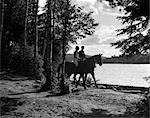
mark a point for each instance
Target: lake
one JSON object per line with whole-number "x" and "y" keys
{"x": 123, "y": 74}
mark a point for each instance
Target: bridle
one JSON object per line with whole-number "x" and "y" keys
{"x": 94, "y": 58}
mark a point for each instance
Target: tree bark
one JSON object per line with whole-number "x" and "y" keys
{"x": 1, "y": 24}
{"x": 44, "y": 47}
{"x": 65, "y": 88}
{"x": 51, "y": 44}
{"x": 25, "y": 25}
{"x": 49, "y": 76}
{"x": 36, "y": 29}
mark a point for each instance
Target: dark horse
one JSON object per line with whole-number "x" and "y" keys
{"x": 85, "y": 67}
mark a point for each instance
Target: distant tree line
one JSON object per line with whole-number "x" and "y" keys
{"x": 135, "y": 59}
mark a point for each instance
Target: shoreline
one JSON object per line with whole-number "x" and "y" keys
{"x": 126, "y": 89}
{"x": 126, "y": 86}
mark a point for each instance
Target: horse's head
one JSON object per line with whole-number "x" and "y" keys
{"x": 98, "y": 59}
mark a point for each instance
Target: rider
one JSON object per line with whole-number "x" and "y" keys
{"x": 76, "y": 56}
{"x": 82, "y": 54}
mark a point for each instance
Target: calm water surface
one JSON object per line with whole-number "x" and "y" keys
{"x": 123, "y": 74}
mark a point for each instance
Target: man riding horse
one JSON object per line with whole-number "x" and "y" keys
{"x": 82, "y": 54}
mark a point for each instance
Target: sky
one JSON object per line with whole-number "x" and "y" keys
{"x": 105, "y": 33}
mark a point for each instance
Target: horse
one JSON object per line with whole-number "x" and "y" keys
{"x": 84, "y": 67}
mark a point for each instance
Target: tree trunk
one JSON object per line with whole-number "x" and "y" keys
{"x": 1, "y": 24}
{"x": 36, "y": 29}
{"x": 64, "y": 88}
{"x": 44, "y": 47}
{"x": 49, "y": 76}
{"x": 51, "y": 45}
{"x": 25, "y": 25}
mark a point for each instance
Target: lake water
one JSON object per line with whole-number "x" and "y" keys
{"x": 123, "y": 74}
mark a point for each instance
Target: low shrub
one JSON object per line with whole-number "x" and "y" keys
{"x": 143, "y": 107}
{"x": 26, "y": 64}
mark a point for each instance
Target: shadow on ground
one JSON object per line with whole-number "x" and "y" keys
{"x": 7, "y": 105}
{"x": 98, "y": 113}
{"x": 12, "y": 77}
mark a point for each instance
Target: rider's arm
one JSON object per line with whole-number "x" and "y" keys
{"x": 75, "y": 55}
{"x": 84, "y": 54}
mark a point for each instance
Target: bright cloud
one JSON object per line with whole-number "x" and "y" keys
{"x": 105, "y": 32}
{"x": 102, "y": 34}
{"x": 42, "y": 3}
{"x": 82, "y": 2}
{"x": 102, "y": 7}
{"x": 105, "y": 8}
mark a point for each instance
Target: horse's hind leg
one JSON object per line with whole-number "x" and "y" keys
{"x": 85, "y": 78}
{"x": 94, "y": 79}
{"x": 77, "y": 82}
{"x": 74, "y": 77}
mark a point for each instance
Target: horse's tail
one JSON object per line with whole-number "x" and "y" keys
{"x": 59, "y": 67}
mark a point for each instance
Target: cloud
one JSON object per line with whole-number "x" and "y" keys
{"x": 103, "y": 35}
{"x": 105, "y": 32}
{"x": 42, "y": 3}
{"x": 108, "y": 41}
{"x": 92, "y": 2}
{"x": 102, "y": 7}
{"x": 105, "y": 8}
{"x": 91, "y": 40}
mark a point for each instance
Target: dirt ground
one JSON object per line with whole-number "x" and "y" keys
{"x": 18, "y": 99}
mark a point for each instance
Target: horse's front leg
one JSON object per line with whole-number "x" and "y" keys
{"x": 84, "y": 80}
{"x": 85, "y": 77}
{"x": 94, "y": 79}
{"x": 74, "y": 78}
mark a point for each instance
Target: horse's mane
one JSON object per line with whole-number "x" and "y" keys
{"x": 90, "y": 57}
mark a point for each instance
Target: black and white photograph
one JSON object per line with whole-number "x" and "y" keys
{"x": 74, "y": 59}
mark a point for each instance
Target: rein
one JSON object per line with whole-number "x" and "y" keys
{"x": 94, "y": 58}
